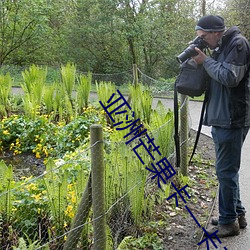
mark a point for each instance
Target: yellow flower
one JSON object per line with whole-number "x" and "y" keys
{"x": 45, "y": 151}
{"x": 14, "y": 209}
{"x": 16, "y": 152}
{"x": 6, "y": 132}
{"x": 31, "y": 187}
{"x": 73, "y": 199}
{"x": 26, "y": 178}
{"x": 69, "y": 211}
{"x": 38, "y": 155}
{"x": 37, "y": 196}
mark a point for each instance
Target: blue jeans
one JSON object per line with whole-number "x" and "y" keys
{"x": 228, "y": 145}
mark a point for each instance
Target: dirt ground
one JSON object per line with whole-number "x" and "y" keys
{"x": 183, "y": 233}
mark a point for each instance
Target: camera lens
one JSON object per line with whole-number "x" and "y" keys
{"x": 187, "y": 53}
{"x": 190, "y": 51}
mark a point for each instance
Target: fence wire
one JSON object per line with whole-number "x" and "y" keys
{"x": 158, "y": 87}
{"x": 39, "y": 213}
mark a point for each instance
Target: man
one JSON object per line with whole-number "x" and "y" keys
{"x": 228, "y": 112}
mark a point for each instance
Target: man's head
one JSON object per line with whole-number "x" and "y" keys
{"x": 211, "y": 29}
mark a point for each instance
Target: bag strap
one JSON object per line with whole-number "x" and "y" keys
{"x": 200, "y": 126}
{"x": 176, "y": 126}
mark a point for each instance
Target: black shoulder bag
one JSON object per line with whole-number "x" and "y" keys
{"x": 191, "y": 81}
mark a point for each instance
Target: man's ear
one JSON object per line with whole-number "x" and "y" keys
{"x": 219, "y": 34}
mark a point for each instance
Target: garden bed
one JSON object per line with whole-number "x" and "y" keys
{"x": 39, "y": 211}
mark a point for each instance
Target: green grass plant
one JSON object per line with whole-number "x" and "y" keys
{"x": 5, "y": 91}
{"x": 125, "y": 179}
{"x": 83, "y": 91}
{"x": 68, "y": 75}
{"x": 56, "y": 186}
{"x": 48, "y": 98}
{"x": 125, "y": 174}
{"x": 141, "y": 102}
{"x": 162, "y": 128}
{"x": 6, "y": 184}
{"x": 33, "y": 84}
{"x": 104, "y": 92}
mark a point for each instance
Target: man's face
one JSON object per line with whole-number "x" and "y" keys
{"x": 211, "y": 38}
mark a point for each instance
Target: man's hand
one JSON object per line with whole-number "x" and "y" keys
{"x": 200, "y": 58}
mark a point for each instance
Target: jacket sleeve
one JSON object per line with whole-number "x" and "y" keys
{"x": 234, "y": 66}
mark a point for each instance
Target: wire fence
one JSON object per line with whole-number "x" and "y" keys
{"x": 42, "y": 213}
{"x": 56, "y": 209}
{"x": 160, "y": 87}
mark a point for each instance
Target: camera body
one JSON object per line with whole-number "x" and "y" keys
{"x": 190, "y": 51}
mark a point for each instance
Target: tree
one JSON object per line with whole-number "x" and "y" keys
{"x": 106, "y": 35}
{"x": 21, "y": 21}
{"x": 102, "y": 36}
{"x": 94, "y": 39}
{"x": 237, "y": 13}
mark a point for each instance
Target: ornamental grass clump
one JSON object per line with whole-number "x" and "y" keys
{"x": 5, "y": 91}
{"x": 68, "y": 75}
{"x": 142, "y": 108}
{"x": 83, "y": 91}
{"x": 33, "y": 85}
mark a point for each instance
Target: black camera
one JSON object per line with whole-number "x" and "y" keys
{"x": 190, "y": 51}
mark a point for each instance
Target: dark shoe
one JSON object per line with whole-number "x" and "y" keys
{"x": 224, "y": 230}
{"x": 241, "y": 219}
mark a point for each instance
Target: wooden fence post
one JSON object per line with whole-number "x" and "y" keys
{"x": 80, "y": 218}
{"x": 98, "y": 195}
{"x": 135, "y": 75}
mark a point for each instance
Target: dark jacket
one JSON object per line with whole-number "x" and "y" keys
{"x": 229, "y": 90}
